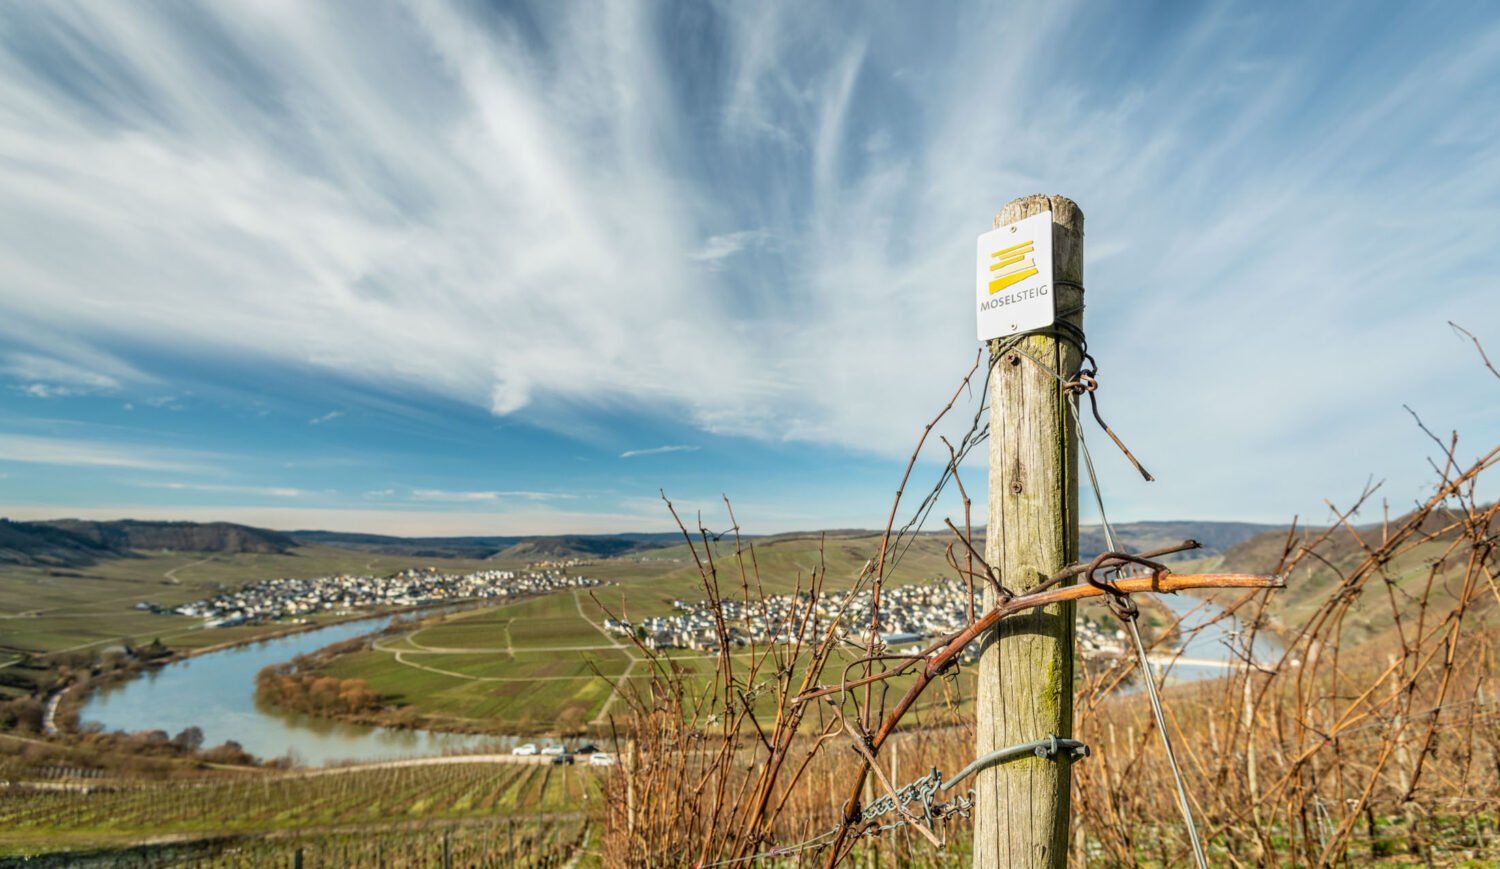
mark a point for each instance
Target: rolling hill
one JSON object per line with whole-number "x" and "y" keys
{"x": 76, "y": 542}
{"x": 533, "y": 548}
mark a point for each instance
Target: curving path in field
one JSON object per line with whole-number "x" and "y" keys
{"x": 469, "y": 650}
{"x": 171, "y": 575}
{"x": 442, "y": 672}
{"x": 614, "y": 691}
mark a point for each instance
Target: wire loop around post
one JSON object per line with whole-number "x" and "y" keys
{"x": 1119, "y": 601}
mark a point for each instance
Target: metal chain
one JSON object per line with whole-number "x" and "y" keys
{"x": 923, "y": 792}
{"x": 920, "y": 791}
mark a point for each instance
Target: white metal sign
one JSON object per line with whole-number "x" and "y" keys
{"x": 1013, "y": 284}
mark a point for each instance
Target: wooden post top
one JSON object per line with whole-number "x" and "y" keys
{"x": 1065, "y": 212}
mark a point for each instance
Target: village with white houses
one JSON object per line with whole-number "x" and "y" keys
{"x": 272, "y": 599}
{"x": 909, "y": 614}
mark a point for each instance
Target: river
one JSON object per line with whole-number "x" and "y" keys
{"x": 216, "y": 693}
{"x": 1212, "y": 649}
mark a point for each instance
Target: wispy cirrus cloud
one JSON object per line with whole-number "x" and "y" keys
{"x": 330, "y": 416}
{"x": 264, "y": 491}
{"x": 485, "y": 495}
{"x": 31, "y": 449}
{"x": 656, "y": 451}
{"x": 41, "y": 376}
{"x": 717, "y": 248}
{"x": 45, "y": 390}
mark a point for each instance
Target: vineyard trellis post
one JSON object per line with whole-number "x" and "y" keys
{"x": 1025, "y": 687}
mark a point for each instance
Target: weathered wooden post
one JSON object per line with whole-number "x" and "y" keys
{"x": 1026, "y": 669}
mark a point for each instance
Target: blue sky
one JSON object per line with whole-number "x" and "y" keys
{"x": 459, "y": 268}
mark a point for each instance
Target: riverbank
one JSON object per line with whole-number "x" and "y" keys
{"x": 215, "y": 690}
{"x": 65, "y": 704}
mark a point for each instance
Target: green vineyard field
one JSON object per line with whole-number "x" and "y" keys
{"x": 360, "y": 813}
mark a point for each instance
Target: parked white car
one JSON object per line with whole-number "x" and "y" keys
{"x": 527, "y": 749}
{"x": 602, "y": 758}
{"x": 554, "y": 750}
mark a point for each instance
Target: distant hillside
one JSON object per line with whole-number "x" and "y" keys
{"x": 129, "y": 534}
{"x": 1216, "y": 537}
{"x": 1314, "y": 579}
{"x": 38, "y": 545}
{"x": 521, "y": 548}
{"x": 76, "y": 542}
{"x": 587, "y": 546}
{"x": 1260, "y": 554}
{"x": 416, "y": 547}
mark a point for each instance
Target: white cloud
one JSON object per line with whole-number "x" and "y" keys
{"x": 330, "y": 416}
{"x": 47, "y": 377}
{"x": 495, "y": 495}
{"x": 445, "y": 495}
{"x": 266, "y": 491}
{"x": 720, "y": 247}
{"x": 78, "y": 453}
{"x": 654, "y": 451}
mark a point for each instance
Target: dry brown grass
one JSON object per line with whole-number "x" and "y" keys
{"x": 1378, "y": 745}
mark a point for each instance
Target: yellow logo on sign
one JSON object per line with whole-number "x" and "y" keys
{"x": 1012, "y": 265}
